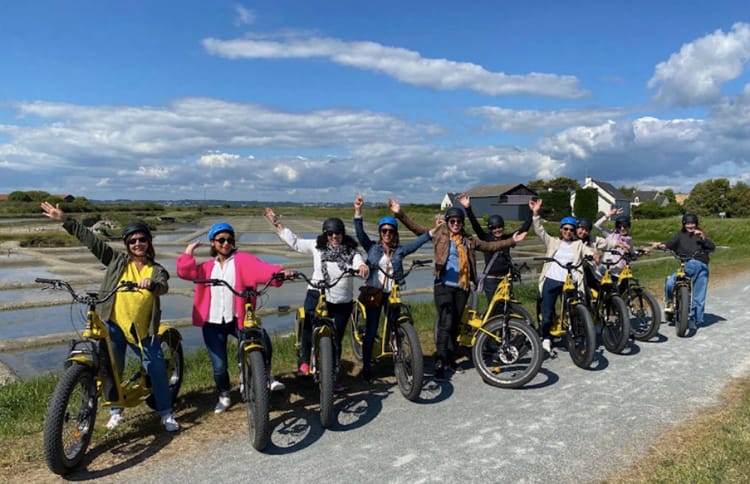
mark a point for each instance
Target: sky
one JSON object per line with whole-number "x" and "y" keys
{"x": 316, "y": 101}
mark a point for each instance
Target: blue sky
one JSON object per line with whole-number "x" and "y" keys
{"x": 318, "y": 100}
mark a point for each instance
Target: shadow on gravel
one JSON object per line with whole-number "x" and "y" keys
{"x": 710, "y": 319}
{"x": 544, "y": 378}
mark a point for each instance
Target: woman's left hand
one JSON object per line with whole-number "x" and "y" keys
{"x": 145, "y": 284}
{"x": 519, "y": 236}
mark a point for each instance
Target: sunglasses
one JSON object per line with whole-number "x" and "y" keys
{"x": 387, "y": 231}
{"x": 493, "y": 227}
{"x": 222, "y": 240}
{"x": 331, "y": 233}
{"x": 142, "y": 240}
{"x": 567, "y": 229}
{"x": 455, "y": 221}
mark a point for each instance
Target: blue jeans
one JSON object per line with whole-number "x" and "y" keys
{"x": 153, "y": 363}
{"x": 216, "y": 336}
{"x": 698, "y": 272}
{"x": 551, "y": 291}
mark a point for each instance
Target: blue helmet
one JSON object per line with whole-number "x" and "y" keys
{"x": 569, "y": 221}
{"x": 218, "y": 228}
{"x": 388, "y": 220}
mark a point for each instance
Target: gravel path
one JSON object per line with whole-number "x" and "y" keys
{"x": 568, "y": 425}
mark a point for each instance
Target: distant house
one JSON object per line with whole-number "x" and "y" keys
{"x": 510, "y": 200}
{"x": 643, "y": 196}
{"x": 609, "y": 196}
{"x": 65, "y": 198}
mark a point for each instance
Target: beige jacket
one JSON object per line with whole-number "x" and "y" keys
{"x": 580, "y": 250}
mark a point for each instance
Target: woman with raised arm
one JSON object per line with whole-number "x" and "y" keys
{"x": 454, "y": 270}
{"x": 217, "y": 311}
{"x": 140, "y": 310}
{"x": 496, "y": 264}
{"x": 333, "y": 252}
{"x": 388, "y": 254}
{"x": 565, "y": 248}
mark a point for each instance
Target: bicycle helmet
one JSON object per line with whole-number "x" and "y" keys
{"x": 454, "y": 212}
{"x": 388, "y": 220}
{"x": 495, "y": 221}
{"x": 585, "y": 223}
{"x": 219, "y": 228}
{"x": 134, "y": 228}
{"x": 622, "y": 221}
{"x": 690, "y": 218}
{"x": 334, "y": 224}
{"x": 569, "y": 221}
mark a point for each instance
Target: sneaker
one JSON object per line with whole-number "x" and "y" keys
{"x": 114, "y": 420}
{"x": 223, "y": 404}
{"x": 456, "y": 368}
{"x": 691, "y": 325}
{"x": 170, "y": 424}
{"x": 304, "y": 369}
{"x": 439, "y": 373}
{"x": 547, "y": 345}
{"x": 276, "y": 385}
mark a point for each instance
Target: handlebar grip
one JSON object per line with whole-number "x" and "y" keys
{"x": 422, "y": 262}
{"x": 42, "y": 280}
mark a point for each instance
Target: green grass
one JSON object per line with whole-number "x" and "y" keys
{"x": 714, "y": 449}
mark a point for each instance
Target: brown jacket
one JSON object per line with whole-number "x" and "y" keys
{"x": 441, "y": 244}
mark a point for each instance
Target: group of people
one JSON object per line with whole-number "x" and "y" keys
{"x": 220, "y": 314}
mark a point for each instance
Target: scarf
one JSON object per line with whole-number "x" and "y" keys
{"x": 340, "y": 254}
{"x": 463, "y": 262}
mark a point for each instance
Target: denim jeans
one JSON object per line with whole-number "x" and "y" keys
{"x": 215, "y": 336}
{"x": 698, "y": 272}
{"x": 551, "y": 291}
{"x": 153, "y": 362}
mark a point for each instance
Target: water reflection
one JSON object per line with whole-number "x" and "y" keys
{"x": 23, "y": 274}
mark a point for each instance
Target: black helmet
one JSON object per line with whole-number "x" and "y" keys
{"x": 334, "y": 224}
{"x": 454, "y": 212}
{"x": 495, "y": 221}
{"x": 136, "y": 227}
{"x": 690, "y": 218}
{"x": 585, "y": 223}
{"x": 622, "y": 221}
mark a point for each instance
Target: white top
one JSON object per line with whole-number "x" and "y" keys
{"x": 564, "y": 255}
{"x": 343, "y": 291}
{"x": 222, "y": 299}
{"x": 385, "y": 282}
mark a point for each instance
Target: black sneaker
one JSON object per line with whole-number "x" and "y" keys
{"x": 439, "y": 371}
{"x": 366, "y": 375}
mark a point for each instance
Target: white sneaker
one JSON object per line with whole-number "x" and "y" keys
{"x": 223, "y": 404}
{"x": 170, "y": 424}
{"x": 547, "y": 345}
{"x": 276, "y": 385}
{"x": 114, "y": 420}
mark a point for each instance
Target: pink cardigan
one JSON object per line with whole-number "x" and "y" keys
{"x": 249, "y": 272}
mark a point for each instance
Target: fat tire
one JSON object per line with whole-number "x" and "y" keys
{"x": 582, "y": 348}
{"x": 408, "y": 361}
{"x": 174, "y": 362}
{"x": 326, "y": 380}
{"x": 523, "y": 358}
{"x": 255, "y": 378}
{"x": 645, "y": 314}
{"x": 521, "y": 313}
{"x": 357, "y": 333}
{"x": 615, "y": 324}
{"x": 76, "y": 412}
{"x": 682, "y": 312}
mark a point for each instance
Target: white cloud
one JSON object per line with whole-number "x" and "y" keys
{"x": 530, "y": 121}
{"x": 286, "y": 171}
{"x": 223, "y": 160}
{"x": 402, "y": 64}
{"x": 102, "y": 182}
{"x": 695, "y": 74}
{"x": 245, "y": 16}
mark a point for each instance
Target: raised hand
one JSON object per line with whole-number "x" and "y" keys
{"x": 192, "y": 246}
{"x": 54, "y": 212}
{"x": 535, "y": 205}
{"x": 394, "y": 205}
{"x": 464, "y": 200}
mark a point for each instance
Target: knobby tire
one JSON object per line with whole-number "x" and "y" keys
{"x": 255, "y": 377}
{"x": 71, "y": 414}
{"x": 615, "y": 324}
{"x": 408, "y": 361}
{"x": 582, "y": 347}
{"x": 682, "y": 311}
{"x": 511, "y": 363}
{"x": 326, "y": 380}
